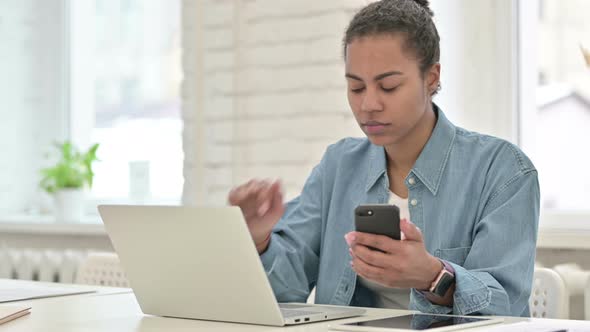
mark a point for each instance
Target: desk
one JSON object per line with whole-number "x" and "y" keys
{"x": 96, "y": 290}
{"x": 120, "y": 312}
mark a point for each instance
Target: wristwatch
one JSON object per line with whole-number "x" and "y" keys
{"x": 443, "y": 281}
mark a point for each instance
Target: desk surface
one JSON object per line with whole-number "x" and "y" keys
{"x": 120, "y": 312}
{"x": 96, "y": 290}
{"x": 109, "y": 310}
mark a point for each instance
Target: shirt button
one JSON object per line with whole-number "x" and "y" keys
{"x": 411, "y": 181}
{"x": 414, "y": 202}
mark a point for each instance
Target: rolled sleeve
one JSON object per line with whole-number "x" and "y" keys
{"x": 471, "y": 295}
{"x": 419, "y": 302}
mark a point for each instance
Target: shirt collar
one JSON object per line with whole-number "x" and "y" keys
{"x": 432, "y": 160}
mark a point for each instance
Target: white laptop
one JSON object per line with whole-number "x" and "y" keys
{"x": 201, "y": 263}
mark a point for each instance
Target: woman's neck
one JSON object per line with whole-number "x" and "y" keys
{"x": 402, "y": 155}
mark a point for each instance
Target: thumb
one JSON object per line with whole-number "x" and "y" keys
{"x": 410, "y": 230}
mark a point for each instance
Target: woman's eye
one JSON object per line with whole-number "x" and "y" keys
{"x": 357, "y": 90}
{"x": 389, "y": 89}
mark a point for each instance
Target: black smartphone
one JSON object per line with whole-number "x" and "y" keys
{"x": 382, "y": 219}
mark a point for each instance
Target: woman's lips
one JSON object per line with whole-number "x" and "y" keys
{"x": 374, "y": 128}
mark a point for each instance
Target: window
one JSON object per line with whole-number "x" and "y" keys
{"x": 555, "y": 99}
{"x": 124, "y": 92}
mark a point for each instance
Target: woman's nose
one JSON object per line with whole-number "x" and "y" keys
{"x": 371, "y": 101}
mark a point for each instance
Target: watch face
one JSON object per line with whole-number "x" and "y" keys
{"x": 444, "y": 284}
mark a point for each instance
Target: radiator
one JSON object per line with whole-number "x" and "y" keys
{"x": 40, "y": 264}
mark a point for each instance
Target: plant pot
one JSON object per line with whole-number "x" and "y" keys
{"x": 69, "y": 205}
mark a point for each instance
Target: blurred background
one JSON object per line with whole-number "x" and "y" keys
{"x": 188, "y": 98}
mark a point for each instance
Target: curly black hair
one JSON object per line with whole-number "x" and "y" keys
{"x": 413, "y": 18}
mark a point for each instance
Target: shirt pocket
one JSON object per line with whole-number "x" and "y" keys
{"x": 454, "y": 255}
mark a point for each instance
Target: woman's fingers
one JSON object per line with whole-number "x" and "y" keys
{"x": 256, "y": 197}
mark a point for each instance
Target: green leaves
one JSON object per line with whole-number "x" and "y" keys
{"x": 72, "y": 171}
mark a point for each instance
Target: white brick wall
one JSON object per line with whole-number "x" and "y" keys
{"x": 264, "y": 92}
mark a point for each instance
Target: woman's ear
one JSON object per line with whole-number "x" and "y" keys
{"x": 433, "y": 78}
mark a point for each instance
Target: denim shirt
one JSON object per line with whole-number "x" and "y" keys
{"x": 475, "y": 198}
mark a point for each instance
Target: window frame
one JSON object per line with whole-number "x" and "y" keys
{"x": 568, "y": 223}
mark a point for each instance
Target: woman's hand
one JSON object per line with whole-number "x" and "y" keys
{"x": 261, "y": 202}
{"x": 400, "y": 264}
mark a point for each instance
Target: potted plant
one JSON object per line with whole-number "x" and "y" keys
{"x": 66, "y": 180}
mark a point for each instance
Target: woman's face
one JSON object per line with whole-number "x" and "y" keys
{"x": 386, "y": 91}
